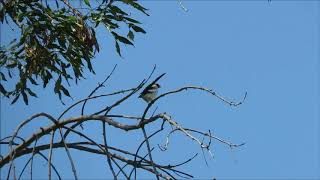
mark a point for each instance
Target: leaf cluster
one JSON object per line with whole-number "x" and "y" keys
{"x": 58, "y": 41}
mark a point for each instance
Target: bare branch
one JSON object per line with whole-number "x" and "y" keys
{"x": 106, "y": 149}
{"x": 149, "y": 151}
{"x": 138, "y": 149}
{"x": 94, "y": 97}
{"x": 98, "y": 87}
{"x": 54, "y": 168}
{"x": 24, "y": 168}
{"x": 50, "y": 154}
{"x": 31, "y": 164}
{"x": 212, "y": 92}
{"x": 182, "y": 6}
{"x": 117, "y": 159}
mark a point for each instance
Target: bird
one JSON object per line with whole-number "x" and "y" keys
{"x": 151, "y": 91}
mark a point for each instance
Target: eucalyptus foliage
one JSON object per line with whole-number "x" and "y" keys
{"x": 58, "y": 40}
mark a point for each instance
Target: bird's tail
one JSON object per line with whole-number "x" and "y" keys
{"x": 158, "y": 78}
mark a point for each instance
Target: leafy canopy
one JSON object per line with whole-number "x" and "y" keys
{"x": 58, "y": 41}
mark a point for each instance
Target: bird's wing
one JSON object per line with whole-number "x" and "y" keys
{"x": 152, "y": 83}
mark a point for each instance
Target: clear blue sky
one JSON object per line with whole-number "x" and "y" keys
{"x": 270, "y": 50}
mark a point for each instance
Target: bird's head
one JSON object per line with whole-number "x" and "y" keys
{"x": 156, "y": 85}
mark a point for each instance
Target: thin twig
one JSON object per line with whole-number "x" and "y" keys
{"x": 149, "y": 151}
{"x": 31, "y": 164}
{"x": 76, "y": 12}
{"x": 94, "y": 97}
{"x": 182, "y": 6}
{"x": 138, "y": 149}
{"x": 231, "y": 145}
{"x": 54, "y": 168}
{"x": 69, "y": 155}
{"x": 50, "y": 154}
{"x": 24, "y": 167}
{"x": 96, "y": 89}
{"x": 106, "y": 149}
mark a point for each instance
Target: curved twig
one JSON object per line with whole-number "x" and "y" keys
{"x": 31, "y": 163}
{"x": 106, "y": 149}
{"x": 138, "y": 149}
{"x": 98, "y": 87}
{"x": 54, "y": 168}
{"x": 50, "y": 155}
{"x": 94, "y": 97}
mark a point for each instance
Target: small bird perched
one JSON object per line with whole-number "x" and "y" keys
{"x": 151, "y": 91}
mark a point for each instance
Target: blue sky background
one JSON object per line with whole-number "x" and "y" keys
{"x": 270, "y": 50}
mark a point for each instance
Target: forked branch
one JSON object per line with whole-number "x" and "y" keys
{"x": 120, "y": 161}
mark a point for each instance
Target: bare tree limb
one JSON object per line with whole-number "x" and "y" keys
{"x": 118, "y": 159}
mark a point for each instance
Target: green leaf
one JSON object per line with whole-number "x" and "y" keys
{"x": 25, "y": 97}
{"x": 12, "y": 65}
{"x": 137, "y": 6}
{"x": 65, "y": 91}
{"x": 59, "y": 94}
{"x": 118, "y": 48}
{"x": 32, "y": 81}
{"x": 2, "y": 14}
{"x": 9, "y": 73}
{"x": 132, "y": 20}
{"x": 13, "y": 41}
{"x": 94, "y": 39}
{"x": 3, "y": 77}
{"x": 15, "y": 99}
{"x": 57, "y": 4}
{"x": 31, "y": 93}
{"x": 57, "y": 86}
{"x": 138, "y": 29}
{"x": 87, "y": 2}
{"x": 90, "y": 66}
{"x": 130, "y": 35}
{"x": 46, "y": 79}
{"x": 19, "y": 85}
{"x": 124, "y": 40}
{"x": 2, "y": 90}
{"x": 62, "y": 41}
{"x": 72, "y": 18}
{"x": 121, "y": 38}
{"x": 117, "y": 10}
